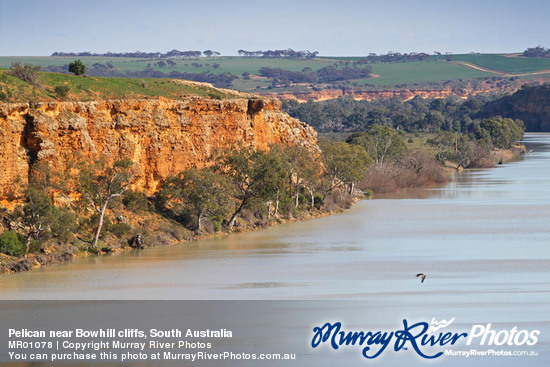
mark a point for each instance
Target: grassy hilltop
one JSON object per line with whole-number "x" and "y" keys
{"x": 85, "y": 88}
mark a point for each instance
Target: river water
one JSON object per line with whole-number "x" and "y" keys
{"x": 482, "y": 240}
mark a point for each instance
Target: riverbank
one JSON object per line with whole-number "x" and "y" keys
{"x": 149, "y": 229}
{"x": 418, "y": 169}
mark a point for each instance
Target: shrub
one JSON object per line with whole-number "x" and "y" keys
{"x": 415, "y": 169}
{"x": 208, "y": 226}
{"x": 26, "y": 72}
{"x": 319, "y": 202}
{"x": 302, "y": 199}
{"x": 34, "y": 246}
{"x": 332, "y": 203}
{"x": 175, "y": 231}
{"x": 135, "y": 201}
{"x": 217, "y": 225}
{"x": 92, "y": 221}
{"x": 61, "y": 90}
{"x": 119, "y": 229}
{"x": 214, "y": 95}
{"x": 64, "y": 224}
{"x": 3, "y": 97}
{"x": 11, "y": 244}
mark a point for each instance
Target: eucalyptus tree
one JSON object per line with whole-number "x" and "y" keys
{"x": 204, "y": 192}
{"x": 344, "y": 165}
{"x": 382, "y": 143}
{"x": 255, "y": 174}
{"x": 100, "y": 183}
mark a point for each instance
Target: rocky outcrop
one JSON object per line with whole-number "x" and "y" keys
{"x": 369, "y": 95}
{"x": 163, "y": 136}
{"x": 531, "y": 104}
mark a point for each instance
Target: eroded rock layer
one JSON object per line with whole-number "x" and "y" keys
{"x": 163, "y": 136}
{"x": 404, "y": 94}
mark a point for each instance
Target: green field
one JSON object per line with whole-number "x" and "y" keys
{"x": 436, "y": 69}
{"x": 421, "y": 72}
{"x": 234, "y": 65}
{"x": 510, "y": 64}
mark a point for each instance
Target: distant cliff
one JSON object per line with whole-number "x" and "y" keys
{"x": 404, "y": 94}
{"x": 530, "y": 104}
{"x": 163, "y": 136}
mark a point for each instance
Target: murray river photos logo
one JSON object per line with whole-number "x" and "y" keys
{"x": 423, "y": 338}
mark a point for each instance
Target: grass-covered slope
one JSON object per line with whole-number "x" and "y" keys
{"x": 506, "y": 63}
{"x": 85, "y": 88}
{"x": 420, "y": 72}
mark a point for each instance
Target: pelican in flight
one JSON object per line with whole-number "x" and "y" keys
{"x": 423, "y": 276}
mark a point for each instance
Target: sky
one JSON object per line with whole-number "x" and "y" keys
{"x": 334, "y": 28}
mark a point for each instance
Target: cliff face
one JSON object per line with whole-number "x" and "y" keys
{"x": 404, "y": 94}
{"x": 530, "y": 104}
{"x": 163, "y": 136}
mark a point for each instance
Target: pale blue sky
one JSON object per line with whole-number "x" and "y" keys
{"x": 343, "y": 28}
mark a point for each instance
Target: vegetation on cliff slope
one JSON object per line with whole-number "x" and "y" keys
{"x": 31, "y": 85}
{"x": 90, "y": 208}
{"x": 418, "y": 114}
{"x": 426, "y": 115}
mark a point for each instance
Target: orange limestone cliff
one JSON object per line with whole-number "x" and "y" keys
{"x": 369, "y": 95}
{"x": 162, "y": 136}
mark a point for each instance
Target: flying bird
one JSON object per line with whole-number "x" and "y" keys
{"x": 421, "y": 275}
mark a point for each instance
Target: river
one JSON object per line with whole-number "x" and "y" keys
{"x": 482, "y": 240}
